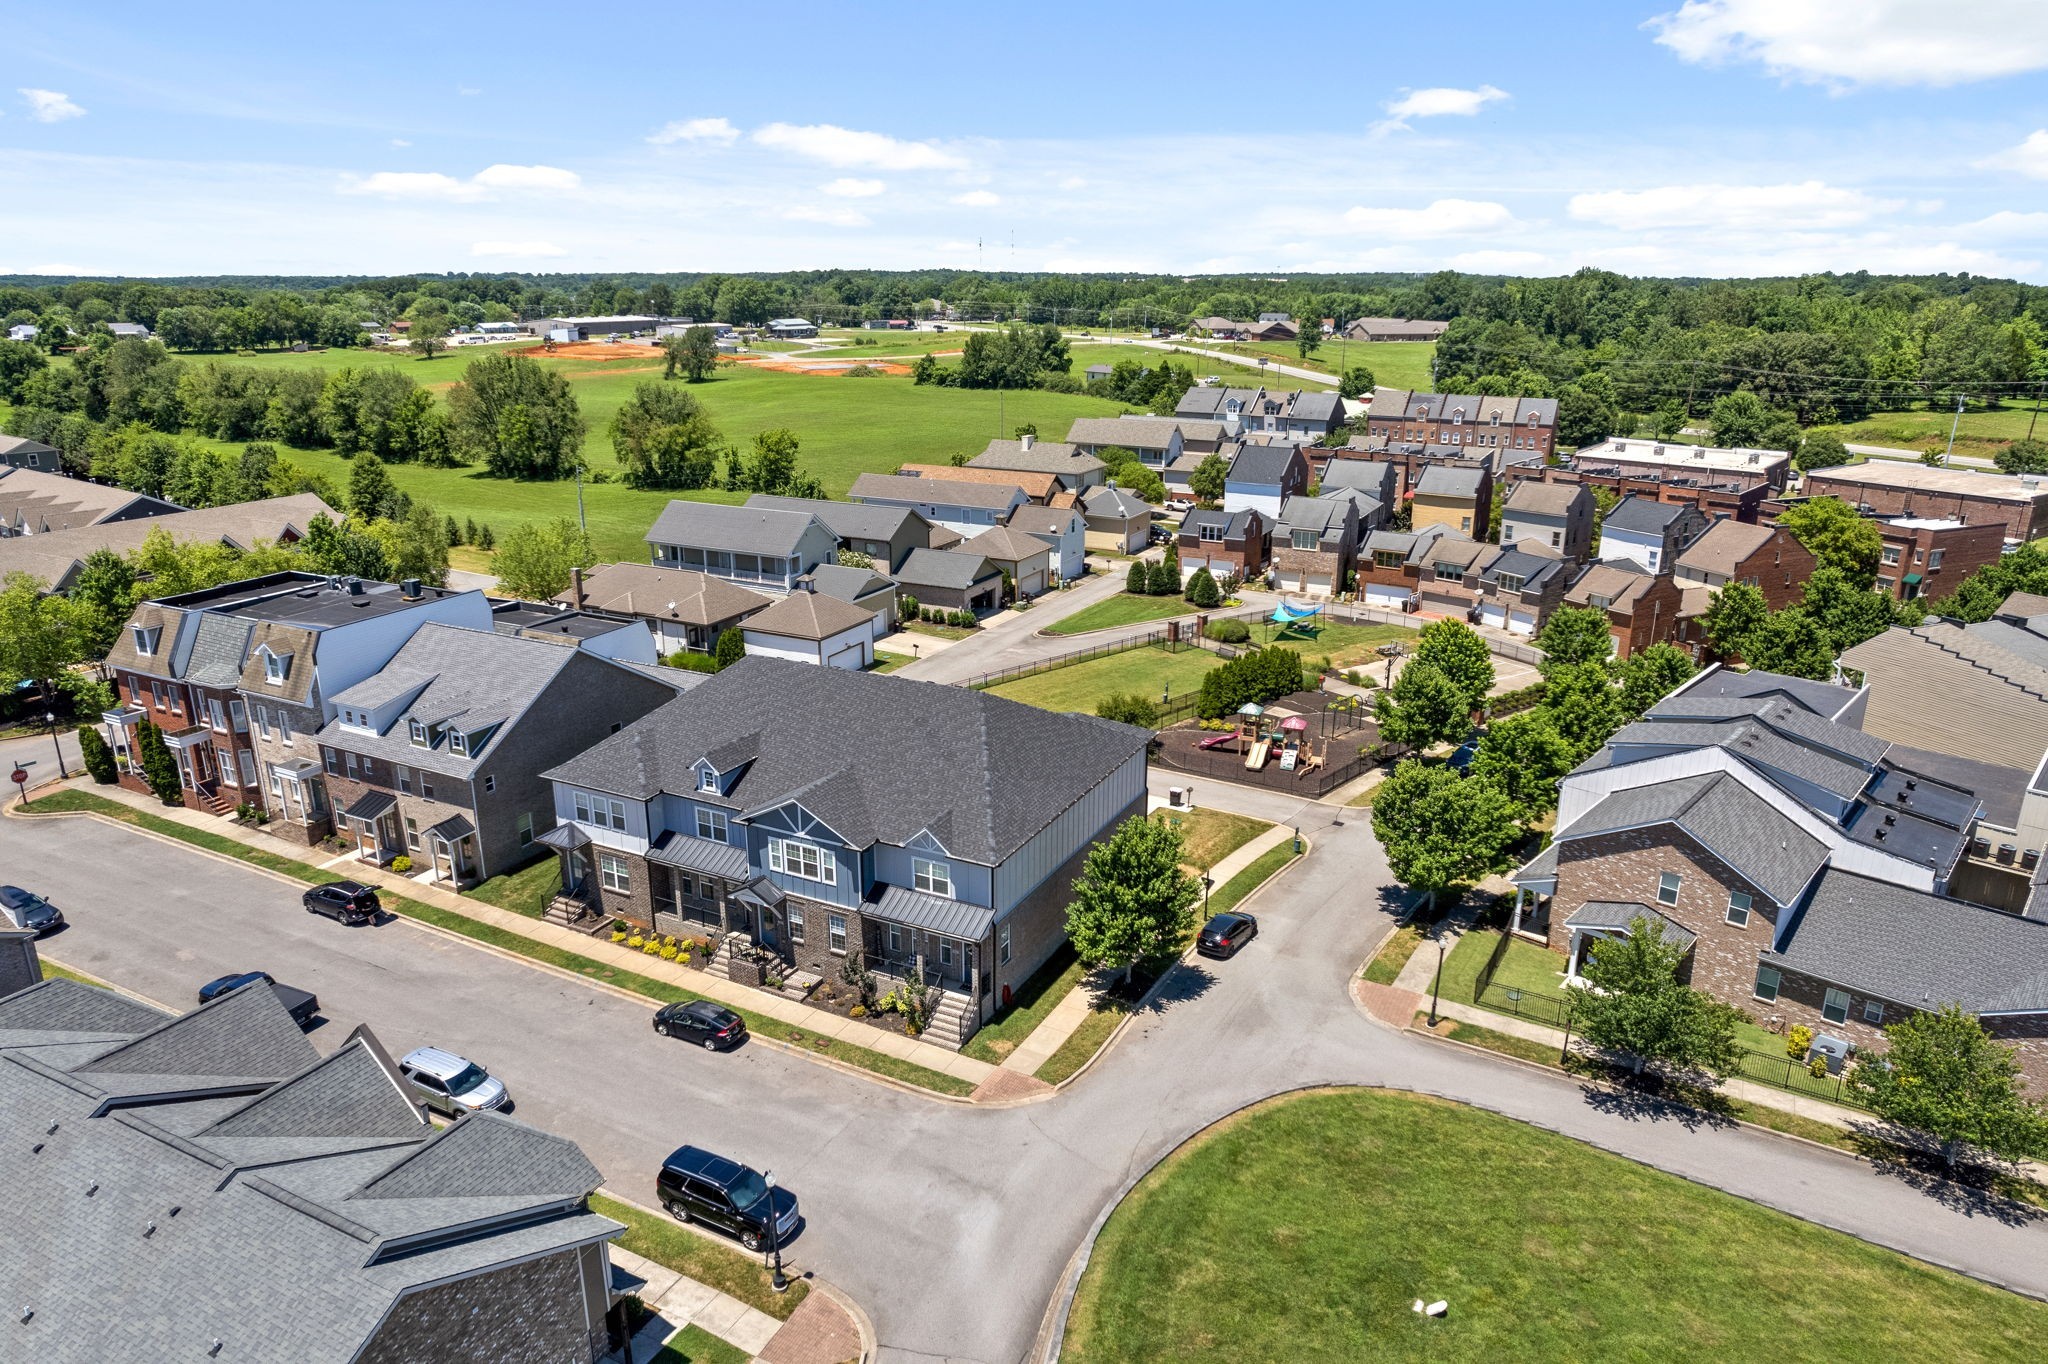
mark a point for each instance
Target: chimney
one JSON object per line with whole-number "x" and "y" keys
{"x": 1026, "y": 441}
{"x": 576, "y": 588}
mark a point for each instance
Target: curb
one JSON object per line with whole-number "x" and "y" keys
{"x": 772, "y": 1043}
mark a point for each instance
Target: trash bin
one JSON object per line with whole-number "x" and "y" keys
{"x": 1173, "y": 796}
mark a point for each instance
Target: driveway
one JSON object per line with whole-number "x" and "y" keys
{"x": 951, "y": 1224}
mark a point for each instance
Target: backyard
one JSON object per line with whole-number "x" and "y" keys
{"x": 1149, "y": 671}
{"x": 1306, "y": 1228}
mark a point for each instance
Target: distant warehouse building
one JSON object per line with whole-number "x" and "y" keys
{"x": 793, "y": 328}
{"x": 1887, "y": 489}
{"x": 584, "y": 328}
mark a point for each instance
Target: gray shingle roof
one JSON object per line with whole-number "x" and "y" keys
{"x": 809, "y": 616}
{"x": 847, "y": 520}
{"x": 1325, "y": 516}
{"x": 1263, "y": 465}
{"x": 1822, "y": 698}
{"x": 1615, "y": 916}
{"x": 1133, "y": 433}
{"x": 1770, "y": 851}
{"x": 680, "y": 594}
{"x": 1044, "y": 457}
{"x": 1316, "y": 406}
{"x": 945, "y": 492}
{"x": 747, "y": 530}
{"x": 847, "y": 584}
{"x": 1236, "y": 525}
{"x": 842, "y": 738}
{"x": 1114, "y": 502}
{"x": 943, "y": 568}
{"x": 1372, "y": 476}
{"x": 245, "y": 1032}
{"x": 1005, "y": 545}
{"x": 1643, "y": 515}
{"x": 1916, "y": 949}
{"x": 1444, "y": 480}
{"x": 1534, "y": 498}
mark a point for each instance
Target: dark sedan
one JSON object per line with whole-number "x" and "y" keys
{"x": 701, "y": 1021}
{"x": 1225, "y": 934}
{"x": 26, "y": 909}
{"x": 302, "y": 1005}
{"x": 346, "y": 902}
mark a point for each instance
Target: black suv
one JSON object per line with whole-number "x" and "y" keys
{"x": 701, "y": 1021}
{"x": 696, "y": 1186}
{"x": 1226, "y": 934}
{"x": 348, "y": 902}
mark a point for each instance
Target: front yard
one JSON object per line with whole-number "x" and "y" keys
{"x": 1304, "y": 1229}
{"x": 1211, "y": 835}
{"x": 1147, "y": 671}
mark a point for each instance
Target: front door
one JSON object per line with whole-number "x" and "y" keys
{"x": 771, "y": 924}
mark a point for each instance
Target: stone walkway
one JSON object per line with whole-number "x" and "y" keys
{"x": 816, "y": 1022}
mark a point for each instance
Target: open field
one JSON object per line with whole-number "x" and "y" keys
{"x": 1981, "y": 434}
{"x": 1085, "y": 355}
{"x": 1212, "y": 835}
{"x": 1395, "y": 364}
{"x": 1304, "y": 1230}
{"x": 1148, "y": 671}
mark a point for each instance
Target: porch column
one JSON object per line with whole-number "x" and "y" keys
{"x": 1515, "y": 926}
{"x": 724, "y": 913}
{"x": 974, "y": 971}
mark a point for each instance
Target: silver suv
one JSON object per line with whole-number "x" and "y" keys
{"x": 449, "y": 1084}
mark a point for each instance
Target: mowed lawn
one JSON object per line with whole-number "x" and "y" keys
{"x": 1980, "y": 434}
{"x": 1212, "y": 835}
{"x": 1122, "y": 609}
{"x": 1147, "y": 671}
{"x": 1304, "y": 1230}
{"x": 1346, "y": 646}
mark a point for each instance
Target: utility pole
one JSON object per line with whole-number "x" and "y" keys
{"x": 582, "y": 523}
{"x": 2037, "y": 408}
{"x": 1946, "y": 454}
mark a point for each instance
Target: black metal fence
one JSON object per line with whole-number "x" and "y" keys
{"x": 1067, "y": 660}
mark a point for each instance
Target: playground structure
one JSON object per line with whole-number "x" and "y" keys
{"x": 1286, "y": 743}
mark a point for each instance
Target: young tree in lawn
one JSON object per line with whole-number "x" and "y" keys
{"x": 1639, "y": 1007}
{"x": 1837, "y": 537}
{"x": 1166, "y": 573}
{"x": 1358, "y": 382}
{"x": 1942, "y": 1074}
{"x": 1441, "y": 829}
{"x": 428, "y": 336}
{"x": 1308, "y": 337}
{"x": 1423, "y": 708}
{"x": 700, "y": 354}
{"x": 453, "y": 532}
{"x": 534, "y": 560}
{"x": 1574, "y": 636}
{"x": 1206, "y": 482}
{"x": 1455, "y": 649}
{"x": 1733, "y": 616}
{"x": 371, "y": 493}
{"x": 730, "y": 648}
{"x": 664, "y": 439}
{"x": 925, "y": 370}
{"x": 1132, "y": 900}
{"x": 37, "y": 638}
{"x": 1649, "y": 675}
{"x": 1524, "y": 756}
{"x": 97, "y": 755}
{"x": 159, "y": 764}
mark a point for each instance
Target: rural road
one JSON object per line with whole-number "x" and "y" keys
{"x": 951, "y": 1224}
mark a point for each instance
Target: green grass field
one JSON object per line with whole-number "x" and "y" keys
{"x": 1395, "y": 364}
{"x": 1147, "y": 671}
{"x": 1212, "y": 835}
{"x": 1304, "y": 1230}
{"x": 1122, "y": 609}
{"x": 1980, "y": 434}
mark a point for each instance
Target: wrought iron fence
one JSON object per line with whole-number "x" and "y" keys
{"x": 1067, "y": 660}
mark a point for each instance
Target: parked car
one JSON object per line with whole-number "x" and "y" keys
{"x": 348, "y": 902}
{"x": 302, "y": 1005}
{"x": 700, "y": 1020}
{"x": 449, "y": 1084}
{"x": 1226, "y": 934}
{"x": 26, "y": 909}
{"x": 696, "y": 1186}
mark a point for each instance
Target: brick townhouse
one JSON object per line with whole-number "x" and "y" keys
{"x": 1404, "y": 417}
{"x": 1767, "y": 558}
{"x": 1888, "y": 488}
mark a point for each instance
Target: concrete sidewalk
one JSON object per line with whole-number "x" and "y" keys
{"x": 813, "y": 1022}
{"x": 822, "y": 1330}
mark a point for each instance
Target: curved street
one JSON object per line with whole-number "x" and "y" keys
{"x": 950, "y": 1223}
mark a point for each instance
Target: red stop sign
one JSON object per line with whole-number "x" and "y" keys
{"x": 19, "y": 776}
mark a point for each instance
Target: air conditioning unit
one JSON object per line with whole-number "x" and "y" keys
{"x": 1836, "y": 1049}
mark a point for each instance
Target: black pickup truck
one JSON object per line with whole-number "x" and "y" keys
{"x": 302, "y": 1005}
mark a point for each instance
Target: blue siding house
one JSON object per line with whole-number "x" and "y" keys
{"x": 804, "y": 816}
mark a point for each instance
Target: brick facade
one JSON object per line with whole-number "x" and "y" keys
{"x": 1291, "y": 563}
{"x": 2018, "y": 519}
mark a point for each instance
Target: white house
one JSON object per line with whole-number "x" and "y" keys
{"x": 1064, "y": 529}
{"x": 1649, "y": 533}
{"x": 967, "y": 509}
{"x": 811, "y": 627}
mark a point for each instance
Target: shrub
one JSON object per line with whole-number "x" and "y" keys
{"x": 1229, "y": 631}
{"x": 618, "y": 935}
{"x": 906, "y": 605}
{"x": 401, "y": 864}
{"x": 651, "y": 948}
{"x": 693, "y": 662}
{"x": 636, "y": 942}
{"x": 1818, "y": 1067}
{"x": 668, "y": 953}
{"x": 963, "y": 619}
{"x": 1129, "y": 708}
{"x": 98, "y": 755}
{"x": 1202, "y": 590}
{"x": 1798, "y": 1041}
{"x": 857, "y": 1011}
{"x": 1138, "y": 581}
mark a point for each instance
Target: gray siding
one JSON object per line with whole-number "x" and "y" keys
{"x": 1080, "y": 824}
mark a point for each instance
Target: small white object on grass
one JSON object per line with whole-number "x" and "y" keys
{"x": 1435, "y": 1309}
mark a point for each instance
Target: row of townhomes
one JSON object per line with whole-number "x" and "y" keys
{"x": 208, "y": 1186}
{"x": 1837, "y": 856}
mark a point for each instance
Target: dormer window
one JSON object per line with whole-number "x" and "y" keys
{"x": 458, "y": 742}
{"x": 273, "y": 667}
{"x": 417, "y": 732}
{"x": 145, "y": 639}
{"x": 707, "y": 780}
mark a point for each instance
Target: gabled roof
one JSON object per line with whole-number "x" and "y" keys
{"x": 1620, "y": 582}
{"x": 1236, "y": 525}
{"x": 1326, "y": 516}
{"x": 1916, "y": 949}
{"x": 1370, "y": 475}
{"x": 53, "y": 557}
{"x": 1132, "y": 433}
{"x": 1114, "y": 502}
{"x": 1263, "y": 465}
{"x": 949, "y": 492}
{"x": 949, "y": 568}
{"x": 837, "y": 742}
{"x": 1316, "y": 405}
{"x": 809, "y": 615}
{"x": 1006, "y": 546}
{"x": 678, "y": 594}
{"x": 1531, "y": 497}
{"x": 746, "y": 530}
{"x": 847, "y": 520}
{"x": 1045, "y": 520}
{"x": 39, "y": 502}
{"x": 1043, "y": 456}
{"x": 1645, "y": 515}
{"x": 847, "y": 584}
{"x": 1724, "y": 546}
{"x": 1532, "y": 567}
{"x": 1767, "y": 848}
{"x": 1035, "y": 485}
{"x": 1444, "y": 480}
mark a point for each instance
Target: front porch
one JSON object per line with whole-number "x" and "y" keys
{"x": 1597, "y": 920}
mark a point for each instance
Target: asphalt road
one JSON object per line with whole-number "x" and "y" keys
{"x": 950, "y": 1224}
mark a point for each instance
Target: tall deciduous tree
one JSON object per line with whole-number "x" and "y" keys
{"x": 1423, "y": 708}
{"x": 1455, "y": 649}
{"x": 1441, "y": 829}
{"x": 1792, "y": 643}
{"x": 371, "y": 493}
{"x": 38, "y": 639}
{"x": 1639, "y": 1008}
{"x": 1358, "y": 382}
{"x": 1575, "y": 636}
{"x": 1944, "y": 1075}
{"x": 1581, "y": 701}
{"x": 1733, "y": 616}
{"x": 1837, "y": 537}
{"x": 1524, "y": 756}
{"x": 664, "y": 439}
{"x": 1133, "y": 899}
{"x": 1651, "y": 674}
{"x": 516, "y": 416}
{"x": 533, "y": 561}
{"x": 1207, "y": 479}
{"x": 419, "y": 546}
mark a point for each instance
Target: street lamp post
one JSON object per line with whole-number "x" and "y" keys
{"x": 1390, "y": 652}
{"x": 777, "y": 1282}
{"x": 50, "y": 719}
{"x": 1436, "y": 984}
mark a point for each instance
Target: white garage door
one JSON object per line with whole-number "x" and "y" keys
{"x": 1522, "y": 622}
{"x": 1032, "y": 584}
{"x": 1380, "y": 594}
{"x": 1316, "y": 584}
{"x": 1496, "y": 616}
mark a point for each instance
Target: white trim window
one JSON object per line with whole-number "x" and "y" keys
{"x": 711, "y": 824}
{"x": 1873, "y": 1013}
{"x": 614, "y": 873}
{"x": 1834, "y": 1006}
{"x": 1003, "y": 945}
{"x": 1767, "y": 981}
{"x": 835, "y": 925}
{"x": 806, "y": 861}
{"x": 601, "y": 811}
{"x": 1738, "y": 908}
{"x": 1667, "y": 887}
{"x": 933, "y": 878}
{"x": 796, "y": 926}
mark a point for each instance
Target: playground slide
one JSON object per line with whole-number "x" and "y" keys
{"x": 1257, "y": 760}
{"x": 1288, "y": 757}
{"x": 1217, "y": 741}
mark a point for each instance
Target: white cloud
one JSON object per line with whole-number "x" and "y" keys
{"x": 1074, "y": 182}
{"x": 527, "y": 178}
{"x": 695, "y": 130}
{"x": 1444, "y": 100}
{"x": 836, "y": 146}
{"x": 2030, "y": 227}
{"x": 846, "y": 187}
{"x": 1443, "y": 218}
{"x": 435, "y": 185}
{"x": 2030, "y": 158}
{"x": 1807, "y": 205}
{"x": 978, "y": 198}
{"x": 830, "y": 217}
{"x": 1867, "y": 42}
{"x": 49, "y": 106}
{"x": 468, "y": 91}
{"x": 516, "y": 250}
{"x": 400, "y": 142}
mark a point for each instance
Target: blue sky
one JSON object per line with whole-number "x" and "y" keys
{"x": 1711, "y": 137}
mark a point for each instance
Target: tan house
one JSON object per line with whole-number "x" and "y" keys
{"x": 1767, "y": 558}
{"x": 684, "y": 609}
{"x": 1454, "y": 498}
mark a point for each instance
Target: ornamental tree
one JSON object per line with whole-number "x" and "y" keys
{"x": 1639, "y": 1007}
{"x": 1944, "y": 1075}
{"x": 1455, "y": 649}
{"x": 1441, "y": 829}
{"x": 1133, "y": 899}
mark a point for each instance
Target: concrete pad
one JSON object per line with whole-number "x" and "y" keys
{"x": 720, "y": 1315}
{"x": 688, "y": 1298}
{"x": 752, "y": 1331}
